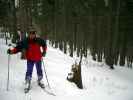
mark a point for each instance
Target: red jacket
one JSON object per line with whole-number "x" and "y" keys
{"x": 33, "y": 51}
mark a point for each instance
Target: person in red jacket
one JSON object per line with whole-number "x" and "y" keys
{"x": 32, "y": 46}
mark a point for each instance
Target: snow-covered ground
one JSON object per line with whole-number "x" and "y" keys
{"x": 100, "y": 83}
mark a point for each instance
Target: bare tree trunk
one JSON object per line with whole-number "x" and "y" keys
{"x": 14, "y": 22}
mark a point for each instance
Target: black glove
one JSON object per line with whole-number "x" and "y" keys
{"x": 44, "y": 53}
{"x": 9, "y": 51}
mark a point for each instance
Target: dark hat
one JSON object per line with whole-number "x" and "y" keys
{"x": 32, "y": 32}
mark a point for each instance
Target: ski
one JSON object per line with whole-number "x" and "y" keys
{"x": 27, "y": 93}
{"x": 42, "y": 86}
{"x": 46, "y": 91}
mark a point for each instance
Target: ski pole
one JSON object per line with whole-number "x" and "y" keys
{"x": 45, "y": 74}
{"x": 8, "y": 72}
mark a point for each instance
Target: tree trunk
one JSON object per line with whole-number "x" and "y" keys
{"x": 14, "y": 24}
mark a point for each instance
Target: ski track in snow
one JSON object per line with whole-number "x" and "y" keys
{"x": 100, "y": 83}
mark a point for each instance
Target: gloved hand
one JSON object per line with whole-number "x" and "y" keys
{"x": 9, "y": 51}
{"x": 44, "y": 53}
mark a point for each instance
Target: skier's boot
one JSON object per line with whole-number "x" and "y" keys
{"x": 41, "y": 83}
{"x": 112, "y": 67}
{"x": 27, "y": 86}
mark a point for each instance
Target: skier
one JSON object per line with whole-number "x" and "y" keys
{"x": 32, "y": 46}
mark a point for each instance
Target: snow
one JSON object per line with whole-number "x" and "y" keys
{"x": 100, "y": 83}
